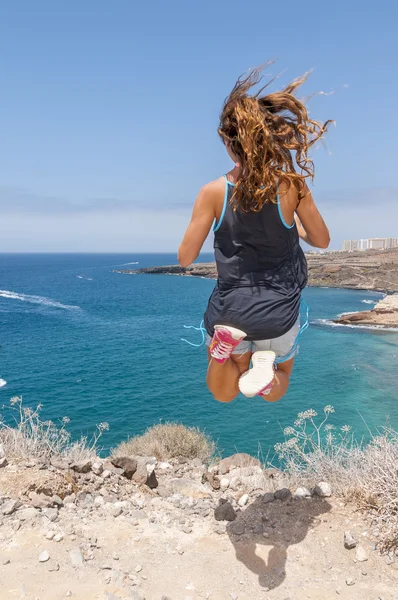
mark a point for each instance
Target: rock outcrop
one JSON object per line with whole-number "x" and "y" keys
{"x": 384, "y": 314}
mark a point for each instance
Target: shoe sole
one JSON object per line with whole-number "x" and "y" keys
{"x": 260, "y": 375}
{"x": 237, "y": 334}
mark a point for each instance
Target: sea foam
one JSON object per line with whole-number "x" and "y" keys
{"x": 42, "y": 300}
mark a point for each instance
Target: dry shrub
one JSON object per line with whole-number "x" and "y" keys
{"x": 366, "y": 474}
{"x": 29, "y": 437}
{"x": 169, "y": 440}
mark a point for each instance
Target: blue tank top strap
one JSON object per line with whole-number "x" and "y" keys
{"x": 224, "y": 208}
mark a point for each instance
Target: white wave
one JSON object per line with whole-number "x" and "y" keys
{"x": 79, "y": 277}
{"x": 130, "y": 263}
{"x": 328, "y": 323}
{"x": 36, "y": 300}
{"x": 369, "y": 301}
{"x": 85, "y": 278}
{"x": 2, "y": 382}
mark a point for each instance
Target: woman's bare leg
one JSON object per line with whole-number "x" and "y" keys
{"x": 282, "y": 379}
{"x": 222, "y": 379}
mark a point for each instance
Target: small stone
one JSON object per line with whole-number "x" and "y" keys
{"x": 283, "y": 494}
{"x": 2, "y": 453}
{"x": 70, "y": 499}
{"x": 106, "y": 474}
{"x": 59, "y": 463}
{"x": 44, "y": 556}
{"x": 3, "y": 463}
{"x": 268, "y": 497}
{"x": 83, "y": 466}
{"x": 128, "y": 465}
{"x": 9, "y": 507}
{"x": 164, "y": 465}
{"x": 186, "y": 529}
{"x": 6, "y": 561}
{"x": 69, "y": 529}
{"x": 361, "y": 554}
{"x": 115, "y": 556}
{"x": 116, "y": 511}
{"x": 76, "y": 557}
{"x": 138, "y": 569}
{"x": 349, "y": 541}
{"x": 53, "y": 568}
{"x": 224, "y": 484}
{"x": 243, "y": 500}
{"x": 50, "y": 535}
{"x": 234, "y": 596}
{"x": 109, "y": 596}
{"x": 136, "y": 595}
{"x": 350, "y": 581}
{"x": 364, "y": 572}
{"x": 58, "y": 538}
{"x": 323, "y": 490}
{"x": 225, "y": 512}
{"x": 39, "y": 500}
{"x": 301, "y": 493}
{"x": 237, "y": 460}
{"x": 57, "y": 501}
{"x": 68, "y": 594}
{"x": 180, "y": 550}
{"x": 97, "y": 468}
{"x": 237, "y": 528}
{"x": 16, "y": 525}
{"x": 189, "y": 487}
{"x": 51, "y": 514}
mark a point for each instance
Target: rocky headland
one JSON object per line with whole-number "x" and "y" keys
{"x": 384, "y": 315}
{"x": 370, "y": 270}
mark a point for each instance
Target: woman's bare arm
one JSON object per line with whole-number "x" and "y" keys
{"x": 198, "y": 229}
{"x": 311, "y": 227}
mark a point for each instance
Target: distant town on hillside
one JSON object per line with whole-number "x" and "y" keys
{"x": 370, "y": 244}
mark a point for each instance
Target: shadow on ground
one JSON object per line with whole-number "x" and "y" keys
{"x": 262, "y": 533}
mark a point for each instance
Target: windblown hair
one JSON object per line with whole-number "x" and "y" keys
{"x": 270, "y": 136}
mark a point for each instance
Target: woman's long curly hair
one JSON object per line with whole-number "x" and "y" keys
{"x": 269, "y": 135}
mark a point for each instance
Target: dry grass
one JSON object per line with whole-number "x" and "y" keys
{"x": 366, "y": 474}
{"x": 29, "y": 437}
{"x": 169, "y": 440}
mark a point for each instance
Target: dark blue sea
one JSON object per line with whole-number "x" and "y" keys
{"x": 95, "y": 346}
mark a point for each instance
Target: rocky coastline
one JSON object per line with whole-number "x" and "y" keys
{"x": 371, "y": 270}
{"x": 383, "y": 315}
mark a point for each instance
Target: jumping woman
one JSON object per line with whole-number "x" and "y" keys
{"x": 260, "y": 209}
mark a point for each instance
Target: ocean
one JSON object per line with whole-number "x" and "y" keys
{"x": 98, "y": 346}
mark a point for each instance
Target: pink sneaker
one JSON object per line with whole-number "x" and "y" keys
{"x": 225, "y": 340}
{"x": 259, "y": 380}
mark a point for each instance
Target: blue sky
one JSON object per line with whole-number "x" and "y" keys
{"x": 109, "y": 113}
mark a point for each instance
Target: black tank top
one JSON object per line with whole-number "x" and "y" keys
{"x": 261, "y": 272}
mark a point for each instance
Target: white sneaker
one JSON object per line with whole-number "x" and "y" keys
{"x": 258, "y": 381}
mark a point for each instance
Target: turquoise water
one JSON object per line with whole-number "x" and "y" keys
{"x": 97, "y": 346}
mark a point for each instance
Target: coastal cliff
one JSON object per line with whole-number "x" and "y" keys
{"x": 384, "y": 314}
{"x": 371, "y": 270}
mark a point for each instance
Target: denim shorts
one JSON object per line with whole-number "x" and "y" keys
{"x": 285, "y": 346}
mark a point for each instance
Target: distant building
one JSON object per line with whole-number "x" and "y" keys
{"x": 350, "y": 245}
{"x": 370, "y": 244}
